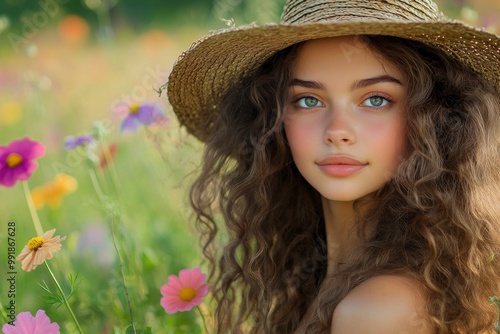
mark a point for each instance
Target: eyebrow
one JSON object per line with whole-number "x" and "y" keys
{"x": 356, "y": 85}
{"x": 375, "y": 80}
{"x": 306, "y": 84}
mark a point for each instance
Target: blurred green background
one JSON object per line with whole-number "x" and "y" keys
{"x": 63, "y": 67}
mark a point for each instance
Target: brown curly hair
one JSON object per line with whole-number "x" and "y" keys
{"x": 437, "y": 219}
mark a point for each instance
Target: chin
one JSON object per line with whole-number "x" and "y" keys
{"x": 346, "y": 197}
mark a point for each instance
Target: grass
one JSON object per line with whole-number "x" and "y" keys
{"x": 63, "y": 90}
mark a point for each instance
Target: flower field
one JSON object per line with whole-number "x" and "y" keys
{"x": 111, "y": 181}
{"x": 96, "y": 233}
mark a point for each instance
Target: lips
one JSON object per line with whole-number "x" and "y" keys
{"x": 340, "y": 165}
{"x": 340, "y": 160}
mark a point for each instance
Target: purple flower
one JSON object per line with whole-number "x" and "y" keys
{"x": 25, "y": 323}
{"x": 139, "y": 114}
{"x": 72, "y": 142}
{"x": 16, "y": 160}
{"x": 95, "y": 244}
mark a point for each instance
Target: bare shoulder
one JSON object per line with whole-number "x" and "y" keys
{"x": 383, "y": 305}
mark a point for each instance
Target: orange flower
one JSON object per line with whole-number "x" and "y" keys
{"x": 39, "y": 249}
{"x": 53, "y": 192}
{"x": 73, "y": 29}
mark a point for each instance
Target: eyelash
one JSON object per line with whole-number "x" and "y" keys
{"x": 297, "y": 101}
{"x": 383, "y": 96}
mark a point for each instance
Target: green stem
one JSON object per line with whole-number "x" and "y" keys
{"x": 4, "y": 314}
{"x": 32, "y": 209}
{"x": 120, "y": 261}
{"x": 202, "y": 318}
{"x": 104, "y": 21}
{"x": 63, "y": 295}
{"x": 110, "y": 166}
{"x": 95, "y": 183}
{"x": 101, "y": 197}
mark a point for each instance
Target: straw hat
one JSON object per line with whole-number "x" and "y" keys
{"x": 214, "y": 64}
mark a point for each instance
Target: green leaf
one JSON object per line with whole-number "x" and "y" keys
{"x": 52, "y": 298}
{"x": 73, "y": 282}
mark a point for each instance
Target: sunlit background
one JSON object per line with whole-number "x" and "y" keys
{"x": 64, "y": 67}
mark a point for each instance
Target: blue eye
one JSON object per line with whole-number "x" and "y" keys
{"x": 309, "y": 102}
{"x": 376, "y": 101}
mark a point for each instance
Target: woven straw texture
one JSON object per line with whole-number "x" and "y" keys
{"x": 214, "y": 64}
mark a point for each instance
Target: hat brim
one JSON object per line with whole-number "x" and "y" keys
{"x": 205, "y": 72}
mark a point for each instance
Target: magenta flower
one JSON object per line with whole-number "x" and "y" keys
{"x": 25, "y": 323}
{"x": 139, "y": 114}
{"x": 72, "y": 142}
{"x": 16, "y": 160}
{"x": 184, "y": 292}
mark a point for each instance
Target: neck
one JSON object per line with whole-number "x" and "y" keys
{"x": 340, "y": 231}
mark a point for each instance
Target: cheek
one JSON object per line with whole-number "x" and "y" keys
{"x": 293, "y": 135}
{"x": 299, "y": 136}
{"x": 387, "y": 140}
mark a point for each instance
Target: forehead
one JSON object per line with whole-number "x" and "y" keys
{"x": 346, "y": 54}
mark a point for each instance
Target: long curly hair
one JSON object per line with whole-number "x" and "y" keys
{"x": 261, "y": 224}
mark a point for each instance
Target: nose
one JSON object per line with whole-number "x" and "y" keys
{"x": 339, "y": 127}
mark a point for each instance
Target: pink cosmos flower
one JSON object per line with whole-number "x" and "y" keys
{"x": 184, "y": 292}
{"x": 16, "y": 160}
{"x": 25, "y": 323}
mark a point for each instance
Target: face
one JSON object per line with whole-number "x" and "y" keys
{"x": 344, "y": 117}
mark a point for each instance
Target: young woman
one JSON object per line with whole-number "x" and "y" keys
{"x": 350, "y": 181}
